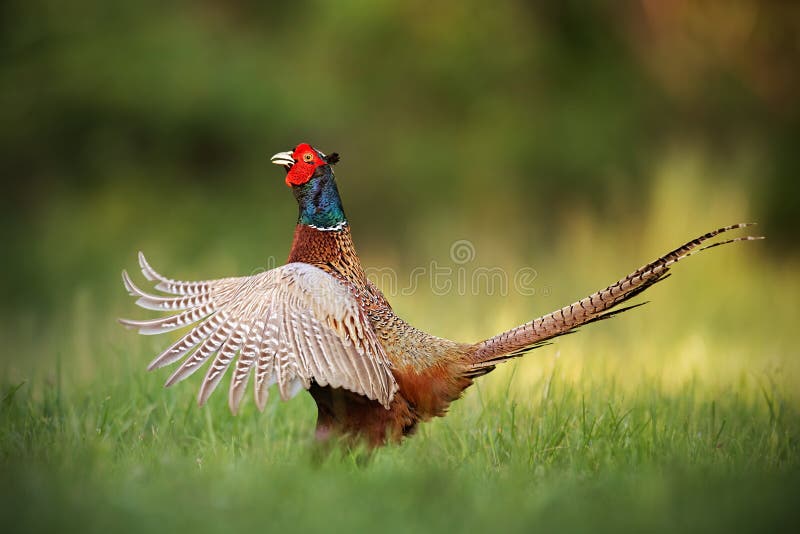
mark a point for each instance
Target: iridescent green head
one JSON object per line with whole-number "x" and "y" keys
{"x": 309, "y": 173}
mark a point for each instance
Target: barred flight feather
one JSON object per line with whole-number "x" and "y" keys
{"x": 188, "y": 341}
{"x": 159, "y": 303}
{"x": 210, "y": 346}
{"x": 173, "y": 322}
{"x": 225, "y": 355}
{"x": 294, "y": 324}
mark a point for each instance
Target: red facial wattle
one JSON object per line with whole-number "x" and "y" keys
{"x": 299, "y": 174}
{"x": 306, "y": 162}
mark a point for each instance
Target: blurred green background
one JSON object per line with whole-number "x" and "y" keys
{"x": 579, "y": 138}
{"x": 133, "y": 125}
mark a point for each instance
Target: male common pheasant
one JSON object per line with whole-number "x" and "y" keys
{"x": 317, "y": 323}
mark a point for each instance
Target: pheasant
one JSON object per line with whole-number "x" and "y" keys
{"x": 318, "y": 323}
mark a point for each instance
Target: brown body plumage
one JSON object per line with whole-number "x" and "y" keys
{"x": 318, "y": 323}
{"x": 431, "y": 372}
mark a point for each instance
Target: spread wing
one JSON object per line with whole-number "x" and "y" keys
{"x": 287, "y": 326}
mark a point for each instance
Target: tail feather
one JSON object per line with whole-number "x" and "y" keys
{"x": 596, "y": 307}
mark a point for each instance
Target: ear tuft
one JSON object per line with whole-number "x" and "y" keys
{"x": 332, "y": 158}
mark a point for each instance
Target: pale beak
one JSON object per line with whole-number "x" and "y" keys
{"x": 283, "y": 158}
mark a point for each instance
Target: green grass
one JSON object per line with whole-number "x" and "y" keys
{"x": 678, "y": 416}
{"x": 124, "y": 454}
{"x": 598, "y": 434}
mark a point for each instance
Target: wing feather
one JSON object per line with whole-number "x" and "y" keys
{"x": 202, "y": 353}
{"x": 176, "y": 287}
{"x": 322, "y": 354}
{"x": 225, "y": 355}
{"x": 346, "y": 373}
{"x": 189, "y": 341}
{"x": 265, "y": 360}
{"x": 291, "y": 326}
{"x": 173, "y": 322}
{"x": 241, "y": 373}
{"x": 159, "y": 303}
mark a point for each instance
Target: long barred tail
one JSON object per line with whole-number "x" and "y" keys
{"x": 595, "y": 307}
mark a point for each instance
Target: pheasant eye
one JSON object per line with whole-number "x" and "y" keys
{"x": 308, "y": 157}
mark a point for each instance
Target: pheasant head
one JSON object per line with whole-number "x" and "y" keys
{"x": 310, "y": 175}
{"x": 303, "y": 162}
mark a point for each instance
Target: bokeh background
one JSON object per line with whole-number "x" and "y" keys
{"x": 579, "y": 138}
{"x": 143, "y": 125}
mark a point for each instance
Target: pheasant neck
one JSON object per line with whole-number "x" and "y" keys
{"x": 319, "y": 202}
{"x": 332, "y": 252}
